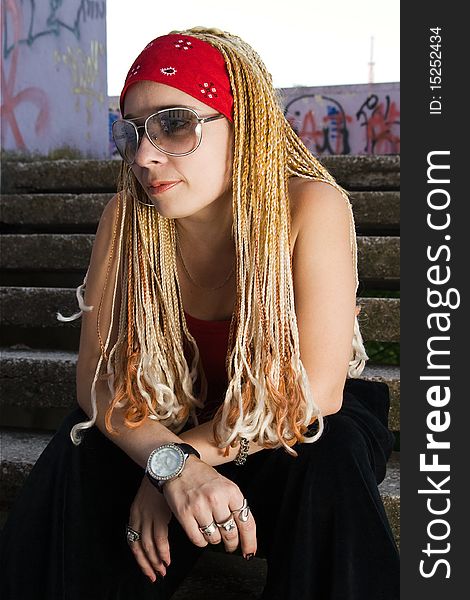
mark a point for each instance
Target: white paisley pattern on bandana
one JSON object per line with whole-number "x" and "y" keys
{"x": 168, "y": 71}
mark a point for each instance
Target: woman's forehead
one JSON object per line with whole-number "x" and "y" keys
{"x": 149, "y": 95}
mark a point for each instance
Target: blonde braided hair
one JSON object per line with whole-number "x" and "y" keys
{"x": 154, "y": 369}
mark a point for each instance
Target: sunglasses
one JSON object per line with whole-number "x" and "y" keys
{"x": 175, "y": 131}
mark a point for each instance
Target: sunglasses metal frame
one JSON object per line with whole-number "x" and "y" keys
{"x": 198, "y": 130}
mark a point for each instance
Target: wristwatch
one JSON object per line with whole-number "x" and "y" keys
{"x": 167, "y": 462}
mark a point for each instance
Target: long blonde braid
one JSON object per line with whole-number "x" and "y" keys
{"x": 154, "y": 369}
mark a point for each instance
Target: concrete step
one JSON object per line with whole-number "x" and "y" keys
{"x": 53, "y": 211}
{"x": 46, "y": 379}
{"x": 376, "y": 210}
{"x": 56, "y": 212}
{"x": 378, "y": 256}
{"x": 24, "y": 307}
{"x": 352, "y": 172}
{"x": 21, "y": 449}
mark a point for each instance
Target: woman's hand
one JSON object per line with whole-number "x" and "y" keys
{"x": 201, "y": 496}
{"x": 150, "y": 515}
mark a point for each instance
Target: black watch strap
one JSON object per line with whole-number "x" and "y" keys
{"x": 188, "y": 449}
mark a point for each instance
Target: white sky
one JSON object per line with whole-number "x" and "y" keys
{"x": 302, "y": 42}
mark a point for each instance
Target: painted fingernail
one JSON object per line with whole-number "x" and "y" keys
{"x": 249, "y": 556}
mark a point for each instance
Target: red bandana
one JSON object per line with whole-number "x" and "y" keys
{"x": 188, "y": 64}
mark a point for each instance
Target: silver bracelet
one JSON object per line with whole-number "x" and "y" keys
{"x": 242, "y": 453}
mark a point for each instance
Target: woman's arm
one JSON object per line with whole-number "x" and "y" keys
{"x": 325, "y": 307}
{"x": 324, "y": 288}
{"x": 200, "y": 494}
{"x": 137, "y": 443}
{"x": 325, "y": 301}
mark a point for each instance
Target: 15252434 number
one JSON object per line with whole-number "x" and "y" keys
{"x": 435, "y": 58}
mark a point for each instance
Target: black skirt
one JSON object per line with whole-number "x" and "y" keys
{"x": 320, "y": 520}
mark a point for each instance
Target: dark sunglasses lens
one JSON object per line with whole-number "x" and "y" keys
{"x": 174, "y": 130}
{"x": 125, "y": 138}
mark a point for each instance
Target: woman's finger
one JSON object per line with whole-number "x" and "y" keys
{"x": 189, "y": 519}
{"x": 207, "y": 522}
{"x": 246, "y": 528}
{"x": 142, "y": 560}
{"x": 149, "y": 547}
{"x": 227, "y": 527}
{"x": 162, "y": 545}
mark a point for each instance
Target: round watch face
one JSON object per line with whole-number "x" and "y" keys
{"x": 166, "y": 462}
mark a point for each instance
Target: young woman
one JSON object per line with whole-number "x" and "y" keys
{"x": 217, "y": 379}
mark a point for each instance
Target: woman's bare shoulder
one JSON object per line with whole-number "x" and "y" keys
{"x": 315, "y": 204}
{"x": 109, "y": 213}
{"x": 106, "y": 229}
{"x": 102, "y": 247}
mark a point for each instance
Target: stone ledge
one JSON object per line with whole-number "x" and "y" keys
{"x": 25, "y": 307}
{"x": 60, "y": 176}
{"x": 40, "y": 210}
{"x": 375, "y": 210}
{"x": 378, "y": 256}
{"x": 352, "y": 172}
{"x": 372, "y": 210}
{"x": 380, "y": 172}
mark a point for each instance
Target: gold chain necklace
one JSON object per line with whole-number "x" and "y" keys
{"x": 180, "y": 254}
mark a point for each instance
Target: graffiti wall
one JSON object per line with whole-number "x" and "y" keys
{"x": 349, "y": 119}
{"x": 54, "y": 88}
{"x": 340, "y": 119}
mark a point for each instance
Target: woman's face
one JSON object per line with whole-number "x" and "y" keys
{"x": 203, "y": 177}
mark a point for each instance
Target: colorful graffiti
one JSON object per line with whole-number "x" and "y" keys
{"x": 60, "y": 16}
{"x": 84, "y": 70}
{"x": 54, "y": 57}
{"x": 380, "y": 120}
{"x": 358, "y": 119}
{"x": 10, "y": 99}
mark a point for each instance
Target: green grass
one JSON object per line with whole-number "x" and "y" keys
{"x": 383, "y": 353}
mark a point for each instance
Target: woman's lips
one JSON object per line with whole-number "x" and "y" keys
{"x": 162, "y": 187}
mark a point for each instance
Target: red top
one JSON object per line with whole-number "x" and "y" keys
{"x": 212, "y": 340}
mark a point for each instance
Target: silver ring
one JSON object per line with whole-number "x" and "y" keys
{"x": 208, "y": 529}
{"x": 244, "y": 511}
{"x": 228, "y": 525}
{"x": 132, "y": 535}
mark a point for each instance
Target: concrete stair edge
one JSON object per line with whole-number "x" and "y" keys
{"x": 379, "y": 318}
{"x": 378, "y": 256}
{"x": 371, "y": 209}
{"x": 352, "y": 172}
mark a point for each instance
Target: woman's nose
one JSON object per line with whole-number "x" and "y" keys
{"x": 147, "y": 153}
